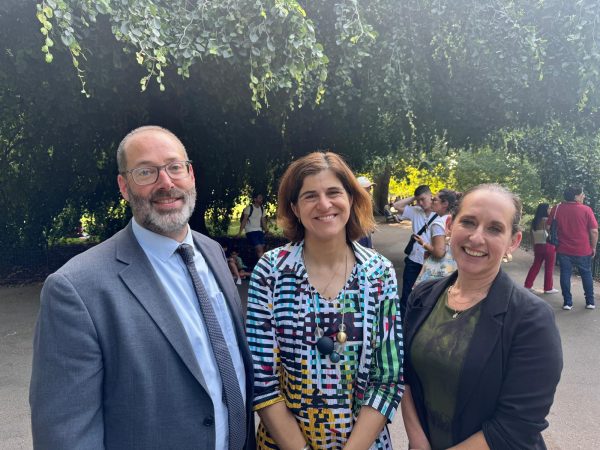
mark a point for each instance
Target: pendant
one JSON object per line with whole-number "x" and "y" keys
{"x": 334, "y": 357}
{"x": 319, "y": 332}
{"x": 456, "y": 314}
{"x": 325, "y": 345}
{"x": 342, "y": 337}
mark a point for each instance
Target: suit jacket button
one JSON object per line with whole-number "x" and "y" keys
{"x": 209, "y": 421}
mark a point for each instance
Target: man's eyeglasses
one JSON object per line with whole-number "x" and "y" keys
{"x": 177, "y": 170}
{"x": 435, "y": 199}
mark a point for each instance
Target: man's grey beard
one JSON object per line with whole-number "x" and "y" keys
{"x": 165, "y": 223}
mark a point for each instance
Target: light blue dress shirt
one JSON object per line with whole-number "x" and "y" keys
{"x": 173, "y": 274}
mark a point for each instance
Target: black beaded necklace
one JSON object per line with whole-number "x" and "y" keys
{"x": 325, "y": 344}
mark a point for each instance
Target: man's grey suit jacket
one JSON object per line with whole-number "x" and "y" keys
{"x": 113, "y": 367}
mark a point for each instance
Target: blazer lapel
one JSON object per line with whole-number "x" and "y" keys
{"x": 486, "y": 334}
{"x": 142, "y": 281}
{"x": 421, "y": 308}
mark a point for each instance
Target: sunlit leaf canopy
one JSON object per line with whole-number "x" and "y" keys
{"x": 394, "y": 46}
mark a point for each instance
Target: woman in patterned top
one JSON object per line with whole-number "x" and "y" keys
{"x": 438, "y": 256}
{"x": 324, "y": 319}
{"x": 483, "y": 355}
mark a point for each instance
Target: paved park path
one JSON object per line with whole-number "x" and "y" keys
{"x": 573, "y": 417}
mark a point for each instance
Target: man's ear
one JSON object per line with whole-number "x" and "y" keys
{"x": 192, "y": 173}
{"x": 123, "y": 186}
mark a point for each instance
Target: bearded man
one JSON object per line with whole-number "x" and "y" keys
{"x": 140, "y": 342}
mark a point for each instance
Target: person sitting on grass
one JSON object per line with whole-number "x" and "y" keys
{"x": 388, "y": 214}
{"x": 236, "y": 265}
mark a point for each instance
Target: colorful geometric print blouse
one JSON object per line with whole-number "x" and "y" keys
{"x": 325, "y": 397}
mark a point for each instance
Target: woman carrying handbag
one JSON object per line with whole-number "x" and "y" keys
{"x": 543, "y": 251}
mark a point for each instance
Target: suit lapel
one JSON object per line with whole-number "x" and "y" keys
{"x": 142, "y": 281}
{"x": 486, "y": 334}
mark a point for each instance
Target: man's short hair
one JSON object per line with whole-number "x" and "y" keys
{"x": 423, "y": 189}
{"x": 121, "y": 157}
{"x": 571, "y": 192}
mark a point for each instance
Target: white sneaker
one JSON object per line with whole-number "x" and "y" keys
{"x": 532, "y": 290}
{"x": 590, "y": 306}
{"x": 238, "y": 281}
{"x": 551, "y": 291}
{"x": 567, "y": 307}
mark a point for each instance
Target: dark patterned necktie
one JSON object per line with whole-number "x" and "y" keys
{"x": 236, "y": 412}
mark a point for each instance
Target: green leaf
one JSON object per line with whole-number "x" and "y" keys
{"x": 67, "y": 39}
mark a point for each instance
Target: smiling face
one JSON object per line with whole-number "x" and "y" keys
{"x": 165, "y": 206}
{"x": 323, "y": 206}
{"x": 482, "y": 233}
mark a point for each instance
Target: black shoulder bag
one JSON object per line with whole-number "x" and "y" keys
{"x": 411, "y": 242}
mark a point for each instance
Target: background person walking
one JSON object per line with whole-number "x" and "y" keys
{"x": 543, "y": 251}
{"x": 254, "y": 223}
{"x": 439, "y": 262}
{"x": 421, "y": 217}
{"x": 577, "y": 240}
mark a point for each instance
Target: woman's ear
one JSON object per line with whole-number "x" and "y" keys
{"x": 449, "y": 223}
{"x": 295, "y": 211}
{"x": 516, "y": 241}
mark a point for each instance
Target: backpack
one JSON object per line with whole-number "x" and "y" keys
{"x": 262, "y": 211}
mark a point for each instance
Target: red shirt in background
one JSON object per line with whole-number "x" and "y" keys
{"x": 575, "y": 221}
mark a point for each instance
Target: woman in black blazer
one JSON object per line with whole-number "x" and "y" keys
{"x": 483, "y": 355}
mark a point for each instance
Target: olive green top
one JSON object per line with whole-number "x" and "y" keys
{"x": 437, "y": 355}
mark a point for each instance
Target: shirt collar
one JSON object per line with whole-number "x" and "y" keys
{"x": 157, "y": 245}
{"x": 367, "y": 260}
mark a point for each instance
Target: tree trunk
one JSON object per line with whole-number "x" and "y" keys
{"x": 381, "y": 189}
